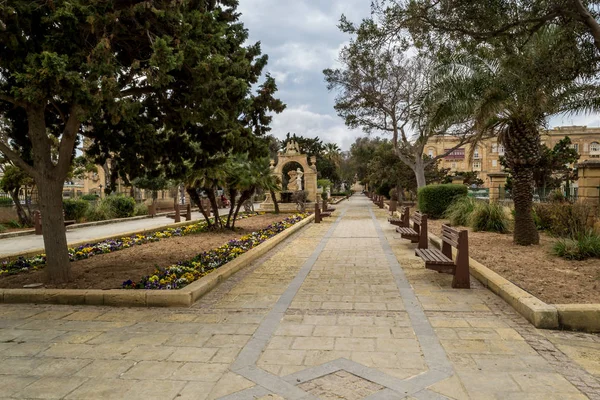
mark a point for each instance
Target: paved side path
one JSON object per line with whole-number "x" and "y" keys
{"x": 343, "y": 310}
{"x": 91, "y": 233}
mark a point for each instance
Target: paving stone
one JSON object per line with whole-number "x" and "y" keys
{"x": 51, "y": 387}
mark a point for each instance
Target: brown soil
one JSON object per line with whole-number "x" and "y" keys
{"x": 109, "y": 271}
{"x": 533, "y": 268}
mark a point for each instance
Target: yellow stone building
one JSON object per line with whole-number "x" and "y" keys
{"x": 486, "y": 155}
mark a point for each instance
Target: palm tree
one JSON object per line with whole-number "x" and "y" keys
{"x": 510, "y": 94}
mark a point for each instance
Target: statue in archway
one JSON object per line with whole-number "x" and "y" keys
{"x": 299, "y": 175}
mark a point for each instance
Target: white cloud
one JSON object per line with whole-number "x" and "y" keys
{"x": 302, "y": 121}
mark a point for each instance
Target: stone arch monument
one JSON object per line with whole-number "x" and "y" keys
{"x": 309, "y": 175}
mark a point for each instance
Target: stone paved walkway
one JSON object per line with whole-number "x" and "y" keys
{"x": 343, "y": 310}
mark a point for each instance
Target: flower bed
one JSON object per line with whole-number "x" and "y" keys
{"x": 185, "y": 272}
{"x": 25, "y": 264}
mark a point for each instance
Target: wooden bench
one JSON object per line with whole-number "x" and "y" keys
{"x": 418, "y": 233}
{"x": 37, "y": 222}
{"x": 442, "y": 262}
{"x": 320, "y": 214}
{"x": 403, "y": 221}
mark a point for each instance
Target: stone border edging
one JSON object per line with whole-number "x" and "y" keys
{"x": 88, "y": 224}
{"x": 577, "y": 317}
{"x": 149, "y": 298}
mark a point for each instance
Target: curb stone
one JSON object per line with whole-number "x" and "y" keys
{"x": 149, "y": 298}
{"x": 578, "y": 317}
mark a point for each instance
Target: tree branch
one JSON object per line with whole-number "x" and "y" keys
{"x": 17, "y": 160}
{"x": 588, "y": 20}
{"x": 12, "y": 100}
{"x": 67, "y": 141}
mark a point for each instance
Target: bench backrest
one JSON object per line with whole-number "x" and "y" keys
{"x": 405, "y": 215}
{"x": 420, "y": 226}
{"x": 454, "y": 238}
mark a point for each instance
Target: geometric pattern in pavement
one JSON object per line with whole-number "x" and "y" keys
{"x": 340, "y": 385}
{"x": 297, "y": 385}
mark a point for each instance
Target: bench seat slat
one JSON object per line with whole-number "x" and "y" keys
{"x": 434, "y": 256}
{"x": 406, "y": 231}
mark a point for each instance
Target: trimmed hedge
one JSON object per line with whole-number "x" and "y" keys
{"x": 434, "y": 200}
{"x": 75, "y": 209}
{"x": 121, "y": 206}
{"x": 5, "y": 201}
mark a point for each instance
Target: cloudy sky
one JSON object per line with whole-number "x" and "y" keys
{"x": 301, "y": 39}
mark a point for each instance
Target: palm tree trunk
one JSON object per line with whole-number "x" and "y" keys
{"x": 522, "y": 144}
{"x": 525, "y": 230}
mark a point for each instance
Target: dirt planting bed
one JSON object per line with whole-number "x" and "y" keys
{"x": 109, "y": 271}
{"x": 533, "y": 268}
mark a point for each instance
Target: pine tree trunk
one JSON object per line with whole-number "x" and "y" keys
{"x": 232, "y": 195}
{"x": 58, "y": 268}
{"x": 23, "y": 216}
{"x": 275, "y": 203}
{"x": 215, "y": 207}
{"x": 196, "y": 199}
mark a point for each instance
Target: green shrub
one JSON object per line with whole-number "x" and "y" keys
{"x": 557, "y": 196}
{"x": 90, "y": 197}
{"x": 562, "y": 219}
{"x": 2, "y": 228}
{"x": 120, "y": 206}
{"x": 489, "y": 217}
{"x": 585, "y": 245}
{"x": 99, "y": 212}
{"x": 435, "y": 199}
{"x": 5, "y": 201}
{"x": 460, "y": 211}
{"x": 75, "y": 209}
{"x": 140, "y": 209}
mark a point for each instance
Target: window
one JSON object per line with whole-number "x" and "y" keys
{"x": 430, "y": 153}
{"x": 476, "y": 153}
{"x": 594, "y": 147}
{"x": 575, "y": 147}
{"x": 494, "y": 148}
{"x": 494, "y": 163}
{"x": 456, "y": 154}
{"x": 453, "y": 165}
{"x": 501, "y": 150}
{"x": 477, "y": 165}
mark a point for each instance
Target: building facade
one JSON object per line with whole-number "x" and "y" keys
{"x": 486, "y": 154}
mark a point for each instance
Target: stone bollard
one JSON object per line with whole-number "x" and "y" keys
{"x": 188, "y": 216}
{"x": 177, "y": 213}
{"x": 37, "y": 222}
{"x": 317, "y": 213}
{"x": 152, "y": 210}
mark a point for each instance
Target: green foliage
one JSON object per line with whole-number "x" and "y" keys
{"x": 585, "y": 245}
{"x": 13, "y": 224}
{"x": 111, "y": 207}
{"x": 324, "y": 183}
{"x": 562, "y": 219}
{"x": 489, "y": 217}
{"x": 383, "y": 189}
{"x": 120, "y": 206}
{"x": 90, "y": 197}
{"x": 99, "y": 212}
{"x": 140, "y": 209}
{"x": 2, "y": 228}
{"x": 393, "y": 194}
{"x": 460, "y": 210}
{"x": 75, "y": 209}
{"x": 435, "y": 199}
{"x": 5, "y": 201}
{"x": 324, "y": 195}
